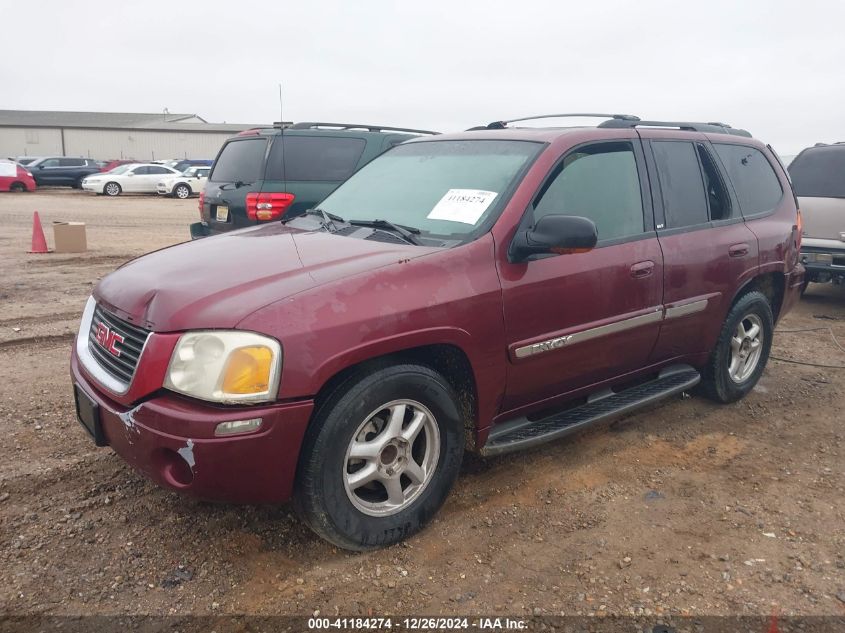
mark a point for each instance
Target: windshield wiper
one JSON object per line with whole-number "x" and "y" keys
{"x": 407, "y": 232}
{"x": 328, "y": 219}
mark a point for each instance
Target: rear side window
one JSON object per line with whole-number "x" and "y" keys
{"x": 240, "y": 161}
{"x": 71, "y": 162}
{"x": 599, "y": 182}
{"x": 753, "y": 178}
{"x": 681, "y": 183}
{"x": 717, "y": 195}
{"x": 819, "y": 172}
{"x": 323, "y": 158}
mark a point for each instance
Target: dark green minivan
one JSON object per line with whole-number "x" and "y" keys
{"x": 266, "y": 174}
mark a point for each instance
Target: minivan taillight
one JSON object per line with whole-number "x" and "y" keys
{"x": 201, "y": 202}
{"x": 267, "y": 206}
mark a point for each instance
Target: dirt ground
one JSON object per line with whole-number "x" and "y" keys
{"x": 688, "y": 508}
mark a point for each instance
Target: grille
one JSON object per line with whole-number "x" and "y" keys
{"x": 121, "y": 367}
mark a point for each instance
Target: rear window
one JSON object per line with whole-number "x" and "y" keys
{"x": 322, "y": 158}
{"x": 753, "y": 178}
{"x": 819, "y": 172}
{"x": 240, "y": 161}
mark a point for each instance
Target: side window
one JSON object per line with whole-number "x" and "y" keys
{"x": 240, "y": 161}
{"x": 599, "y": 182}
{"x": 50, "y": 162}
{"x": 718, "y": 199}
{"x": 681, "y": 183}
{"x": 71, "y": 162}
{"x": 141, "y": 171}
{"x": 161, "y": 170}
{"x": 753, "y": 178}
{"x": 325, "y": 158}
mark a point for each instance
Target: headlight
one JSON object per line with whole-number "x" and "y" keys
{"x": 225, "y": 366}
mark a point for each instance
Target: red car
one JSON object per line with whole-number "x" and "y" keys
{"x": 14, "y": 177}
{"x": 115, "y": 163}
{"x": 489, "y": 290}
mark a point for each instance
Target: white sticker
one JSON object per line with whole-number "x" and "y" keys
{"x": 8, "y": 169}
{"x": 462, "y": 205}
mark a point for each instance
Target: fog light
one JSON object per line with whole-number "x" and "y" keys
{"x": 237, "y": 426}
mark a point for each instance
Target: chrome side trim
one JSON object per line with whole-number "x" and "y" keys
{"x": 87, "y": 359}
{"x": 585, "y": 335}
{"x": 685, "y": 309}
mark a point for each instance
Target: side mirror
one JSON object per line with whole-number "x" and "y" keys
{"x": 555, "y": 234}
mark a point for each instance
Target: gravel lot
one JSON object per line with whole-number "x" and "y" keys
{"x": 689, "y": 508}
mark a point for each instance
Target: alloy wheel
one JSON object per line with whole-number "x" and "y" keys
{"x": 392, "y": 457}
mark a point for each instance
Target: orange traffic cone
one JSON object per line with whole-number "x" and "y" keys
{"x": 39, "y": 242}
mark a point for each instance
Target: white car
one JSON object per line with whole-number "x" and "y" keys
{"x": 132, "y": 178}
{"x": 192, "y": 181}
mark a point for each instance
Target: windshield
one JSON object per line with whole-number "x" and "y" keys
{"x": 817, "y": 172}
{"x": 444, "y": 188}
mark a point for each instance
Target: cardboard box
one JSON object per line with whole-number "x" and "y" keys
{"x": 69, "y": 237}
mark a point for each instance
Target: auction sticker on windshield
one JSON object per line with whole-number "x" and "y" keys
{"x": 462, "y": 205}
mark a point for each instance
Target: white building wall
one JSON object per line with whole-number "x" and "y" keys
{"x": 19, "y": 141}
{"x": 110, "y": 144}
{"x": 142, "y": 144}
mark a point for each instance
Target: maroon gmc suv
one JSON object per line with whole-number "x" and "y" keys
{"x": 488, "y": 290}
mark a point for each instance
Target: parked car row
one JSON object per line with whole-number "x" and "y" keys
{"x": 70, "y": 171}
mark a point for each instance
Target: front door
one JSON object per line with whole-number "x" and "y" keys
{"x": 577, "y": 319}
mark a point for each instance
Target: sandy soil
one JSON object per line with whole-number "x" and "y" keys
{"x": 689, "y": 508}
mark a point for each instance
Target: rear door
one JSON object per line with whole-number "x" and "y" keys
{"x": 578, "y": 319}
{"x": 237, "y": 171}
{"x": 155, "y": 174}
{"x": 708, "y": 251}
{"x": 311, "y": 166}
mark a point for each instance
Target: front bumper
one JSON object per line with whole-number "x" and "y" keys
{"x": 96, "y": 187}
{"x": 824, "y": 264}
{"x": 170, "y": 440}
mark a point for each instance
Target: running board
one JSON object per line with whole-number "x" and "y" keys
{"x": 522, "y": 433}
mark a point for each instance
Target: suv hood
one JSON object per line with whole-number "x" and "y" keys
{"x": 217, "y": 281}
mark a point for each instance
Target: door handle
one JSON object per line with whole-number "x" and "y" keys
{"x": 642, "y": 269}
{"x": 738, "y": 250}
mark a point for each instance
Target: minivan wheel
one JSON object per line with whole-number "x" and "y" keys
{"x": 182, "y": 192}
{"x": 380, "y": 456}
{"x": 112, "y": 189}
{"x": 741, "y": 353}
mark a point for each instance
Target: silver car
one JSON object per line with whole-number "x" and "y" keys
{"x": 818, "y": 177}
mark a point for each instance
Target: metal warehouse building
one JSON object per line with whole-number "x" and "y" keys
{"x": 111, "y": 135}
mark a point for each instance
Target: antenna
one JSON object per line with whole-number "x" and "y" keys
{"x": 281, "y": 111}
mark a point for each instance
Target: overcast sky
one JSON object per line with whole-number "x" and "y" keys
{"x": 773, "y": 67}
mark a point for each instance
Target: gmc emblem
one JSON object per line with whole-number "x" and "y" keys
{"x": 108, "y": 339}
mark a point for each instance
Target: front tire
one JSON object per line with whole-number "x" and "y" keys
{"x": 182, "y": 192}
{"x": 380, "y": 457}
{"x": 741, "y": 353}
{"x": 112, "y": 189}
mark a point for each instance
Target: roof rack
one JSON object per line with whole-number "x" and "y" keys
{"x": 499, "y": 125}
{"x": 713, "y": 127}
{"x": 310, "y": 125}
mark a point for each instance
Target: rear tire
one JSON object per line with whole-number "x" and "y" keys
{"x": 740, "y": 355}
{"x": 17, "y": 187}
{"x": 112, "y": 189}
{"x": 380, "y": 456}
